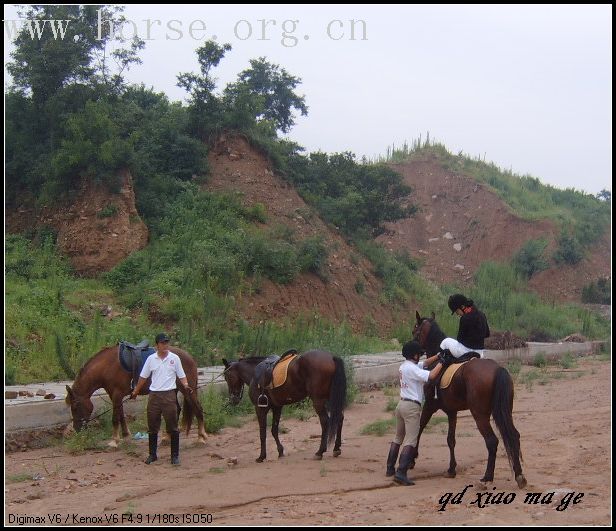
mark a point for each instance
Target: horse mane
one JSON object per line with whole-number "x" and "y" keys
{"x": 434, "y": 330}
{"x": 88, "y": 362}
{"x": 253, "y": 359}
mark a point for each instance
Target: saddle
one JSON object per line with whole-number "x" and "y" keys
{"x": 132, "y": 358}
{"x": 264, "y": 373}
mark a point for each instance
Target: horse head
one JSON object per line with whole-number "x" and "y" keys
{"x": 427, "y": 333}
{"x": 81, "y": 408}
{"x": 235, "y": 384}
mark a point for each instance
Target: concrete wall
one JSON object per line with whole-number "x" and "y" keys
{"x": 49, "y": 413}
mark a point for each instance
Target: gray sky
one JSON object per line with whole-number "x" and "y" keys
{"x": 528, "y": 87}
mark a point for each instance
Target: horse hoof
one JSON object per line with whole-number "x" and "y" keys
{"x": 318, "y": 457}
{"x": 202, "y": 439}
{"x": 450, "y": 474}
{"x": 112, "y": 444}
{"x": 260, "y": 459}
{"x": 483, "y": 484}
{"x": 337, "y": 453}
{"x": 521, "y": 481}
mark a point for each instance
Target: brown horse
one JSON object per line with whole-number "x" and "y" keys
{"x": 104, "y": 371}
{"x": 483, "y": 387}
{"x": 315, "y": 374}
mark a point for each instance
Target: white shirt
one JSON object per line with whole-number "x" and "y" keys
{"x": 412, "y": 379}
{"x": 164, "y": 372}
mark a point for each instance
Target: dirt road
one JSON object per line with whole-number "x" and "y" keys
{"x": 563, "y": 415}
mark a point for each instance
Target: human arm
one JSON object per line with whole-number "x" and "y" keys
{"x": 138, "y": 387}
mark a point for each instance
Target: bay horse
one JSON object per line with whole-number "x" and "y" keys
{"x": 481, "y": 386}
{"x": 315, "y": 374}
{"x": 104, "y": 371}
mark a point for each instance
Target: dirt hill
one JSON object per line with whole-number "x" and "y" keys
{"x": 96, "y": 231}
{"x": 237, "y": 166}
{"x": 462, "y": 223}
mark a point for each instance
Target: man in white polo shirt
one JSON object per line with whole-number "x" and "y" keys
{"x": 165, "y": 367}
{"x": 413, "y": 376}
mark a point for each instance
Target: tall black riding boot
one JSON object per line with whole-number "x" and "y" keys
{"x": 406, "y": 456}
{"x": 153, "y": 444}
{"x": 175, "y": 448}
{"x": 392, "y": 458}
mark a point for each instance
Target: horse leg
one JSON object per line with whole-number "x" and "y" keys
{"x": 319, "y": 407}
{"x": 276, "y": 411}
{"x": 262, "y": 417}
{"x": 338, "y": 443}
{"x": 483, "y": 424}
{"x": 428, "y": 410}
{"x": 117, "y": 418}
{"x": 451, "y": 442}
{"x": 193, "y": 406}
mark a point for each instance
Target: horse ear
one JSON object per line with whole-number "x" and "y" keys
{"x": 226, "y": 363}
{"x": 433, "y": 315}
{"x": 418, "y": 316}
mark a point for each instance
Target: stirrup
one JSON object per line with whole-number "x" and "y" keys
{"x": 262, "y": 401}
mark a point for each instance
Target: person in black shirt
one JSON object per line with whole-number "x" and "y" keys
{"x": 473, "y": 327}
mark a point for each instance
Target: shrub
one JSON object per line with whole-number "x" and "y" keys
{"x": 529, "y": 259}
{"x": 569, "y": 250}
{"x": 312, "y": 256}
{"x": 598, "y": 292}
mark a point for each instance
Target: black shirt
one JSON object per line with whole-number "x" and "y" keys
{"x": 473, "y": 329}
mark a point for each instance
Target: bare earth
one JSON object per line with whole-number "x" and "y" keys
{"x": 564, "y": 420}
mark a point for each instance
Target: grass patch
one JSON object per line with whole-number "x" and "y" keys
{"x": 217, "y": 470}
{"x": 18, "y": 478}
{"x": 392, "y": 403}
{"x": 436, "y": 421}
{"x": 567, "y": 361}
{"x": 90, "y": 438}
{"x": 539, "y": 360}
{"x": 379, "y": 427}
{"x": 514, "y": 367}
{"x": 528, "y": 378}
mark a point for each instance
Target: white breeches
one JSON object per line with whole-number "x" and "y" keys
{"x": 456, "y": 348}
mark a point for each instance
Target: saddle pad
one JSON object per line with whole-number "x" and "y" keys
{"x": 449, "y": 373}
{"x": 126, "y": 360}
{"x": 279, "y": 376}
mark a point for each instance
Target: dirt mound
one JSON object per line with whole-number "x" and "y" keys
{"x": 504, "y": 340}
{"x": 237, "y": 166}
{"x": 96, "y": 231}
{"x": 463, "y": 223}
{"x": 574, "y": 338}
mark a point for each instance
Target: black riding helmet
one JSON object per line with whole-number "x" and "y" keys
{"x": 458, "y": 300}
{"x": 411, "y": 348}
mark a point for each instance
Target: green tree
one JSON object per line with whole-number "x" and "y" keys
{"x": 206, "y": 108}
{"x": 268, "y": 91}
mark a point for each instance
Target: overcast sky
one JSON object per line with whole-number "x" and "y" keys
{"x": 529, "y": 88}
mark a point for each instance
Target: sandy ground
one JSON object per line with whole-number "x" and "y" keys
{"x": 564, "y": 419}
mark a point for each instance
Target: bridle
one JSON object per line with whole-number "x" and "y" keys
{"x": 241, "y": 393}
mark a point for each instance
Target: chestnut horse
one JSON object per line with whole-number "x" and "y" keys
{"x": 316, "y": 374}
{"x": 104, "y": 371}
{"x": 483, "y": 387}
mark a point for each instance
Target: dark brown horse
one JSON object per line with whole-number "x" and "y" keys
{"x": 315, "y": 374}
{"x": 104, "y": 371}
{"x": 483, "y": 387}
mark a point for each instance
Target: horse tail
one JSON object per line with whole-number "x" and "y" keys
{"x": 502, "y": 411}
{"x": 337, "y": 399}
